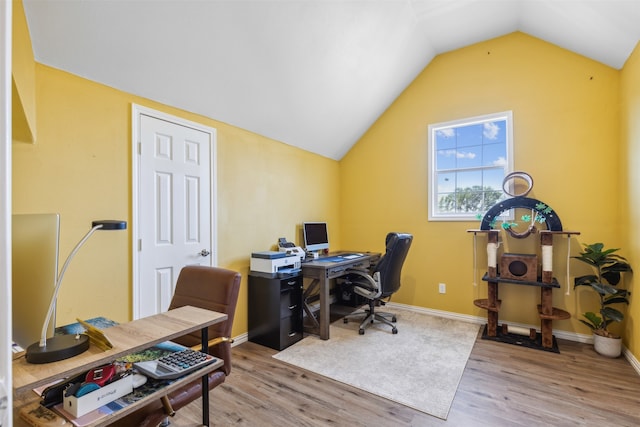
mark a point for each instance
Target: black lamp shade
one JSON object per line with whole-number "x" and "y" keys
{"x": 110, "y": 224}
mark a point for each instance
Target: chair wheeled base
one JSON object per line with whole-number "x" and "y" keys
{"x": 372, "y": 316}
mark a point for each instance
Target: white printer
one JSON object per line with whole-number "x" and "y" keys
{"x": 275, "y": 262}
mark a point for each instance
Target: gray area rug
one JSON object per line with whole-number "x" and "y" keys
{"x": 419, "y": 367}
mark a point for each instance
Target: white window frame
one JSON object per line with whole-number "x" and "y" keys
{"x": 434, "y": 214}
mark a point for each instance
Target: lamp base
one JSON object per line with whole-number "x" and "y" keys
{"x": 58, "y": 347}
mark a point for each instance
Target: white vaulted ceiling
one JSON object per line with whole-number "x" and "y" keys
{"x": 311, "y": 73}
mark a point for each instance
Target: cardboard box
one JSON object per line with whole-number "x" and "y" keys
{"x": 79, "y": 406}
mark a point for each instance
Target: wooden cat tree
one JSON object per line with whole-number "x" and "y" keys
{"x": 521, "y": 269}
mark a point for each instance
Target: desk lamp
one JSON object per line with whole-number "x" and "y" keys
{"x": 61, "y": 347}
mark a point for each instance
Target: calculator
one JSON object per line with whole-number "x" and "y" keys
{"x": 174, "y": 365}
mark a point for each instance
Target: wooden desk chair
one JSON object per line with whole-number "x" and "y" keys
{"x": 205, "y": 287}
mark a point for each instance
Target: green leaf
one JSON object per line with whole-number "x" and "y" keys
{"x": 585, "y": 280}
{"x": 615, "y": 300}
{"x": 588, "y": 324}
{"x": 604, "y": 289}
{"x": 593, "y": 318}
{"x": 612, "y": 313}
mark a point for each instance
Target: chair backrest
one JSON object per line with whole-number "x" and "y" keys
{"x": 390, "y": 264}
{"x": 215, "y": 289}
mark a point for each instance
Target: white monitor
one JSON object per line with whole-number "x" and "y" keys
{"x": 316, "y": 237}
{"x": 35, "y": 268}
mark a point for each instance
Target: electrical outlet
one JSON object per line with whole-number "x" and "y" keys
{"x": 442, "y": 287}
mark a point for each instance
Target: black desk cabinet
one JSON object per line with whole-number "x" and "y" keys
{"x": 275, "y": 310}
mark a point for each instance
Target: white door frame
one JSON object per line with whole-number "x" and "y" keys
{"x": 136, "y": 112}
{"x": 6, "y": 381}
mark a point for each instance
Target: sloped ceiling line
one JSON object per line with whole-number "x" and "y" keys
{"x": 314, "y": 74}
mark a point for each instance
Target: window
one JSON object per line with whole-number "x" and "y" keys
{"x": 469, "y": 159}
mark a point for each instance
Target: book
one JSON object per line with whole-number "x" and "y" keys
{"x": 39, "y": 416}
{"x": 77, "y": 328}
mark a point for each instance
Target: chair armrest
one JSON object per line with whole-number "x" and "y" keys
{"x": 212, "y": 342}
{"x": 166, "y": 406}
{"x": 373, "y": 287}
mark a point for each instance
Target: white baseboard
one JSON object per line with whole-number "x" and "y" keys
{"x": 631, "y": 358}
{"x": 240, "y": 339}
{"x": 569, "y": 336}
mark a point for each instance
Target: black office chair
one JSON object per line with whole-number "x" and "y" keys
{"x": 380, "y": 282}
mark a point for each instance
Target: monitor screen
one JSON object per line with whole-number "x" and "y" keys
{"x": 34, "y": 271}
{"x": 316, "y": 237}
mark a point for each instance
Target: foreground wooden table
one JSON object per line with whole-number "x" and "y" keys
{"x": 126, "y": 338}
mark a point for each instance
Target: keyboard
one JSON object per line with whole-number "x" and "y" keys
{"x": 351, "y": 256}
{"x": 174, "y": 365}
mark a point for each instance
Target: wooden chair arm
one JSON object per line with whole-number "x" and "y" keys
{"x": 166, "y": 405}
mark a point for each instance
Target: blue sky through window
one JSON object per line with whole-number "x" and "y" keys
{"x": 470, "y": 147}
{"x": 471, "y": 154}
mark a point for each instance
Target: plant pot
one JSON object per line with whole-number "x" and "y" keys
{"x": 607, "y": 346}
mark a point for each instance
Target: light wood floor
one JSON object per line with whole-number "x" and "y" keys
{"x": 502, "y": 385}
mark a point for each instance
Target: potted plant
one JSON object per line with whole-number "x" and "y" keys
{"x": 608, "y": 267}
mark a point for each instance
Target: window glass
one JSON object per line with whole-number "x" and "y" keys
{"x": 469, "y": 159}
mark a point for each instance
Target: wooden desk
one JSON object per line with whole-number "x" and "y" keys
{"x": 126, "y": 338}
{"x": 322, "y": 271}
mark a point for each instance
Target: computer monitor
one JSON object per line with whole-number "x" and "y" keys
{"x": 316, "y": 237}
{"x": 35, "y": 268}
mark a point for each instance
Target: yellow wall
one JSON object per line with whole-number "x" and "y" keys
{"x": 566, "y": 126}
{"x": 80, "y": 167}
{"x": 630, "y": 187}
{"x": 23, "y": 78}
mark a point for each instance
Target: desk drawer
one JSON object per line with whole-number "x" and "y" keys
{"x": 290, "y": 331}
{"x": 291, "y": 283}
{"x": 290, "y": 303}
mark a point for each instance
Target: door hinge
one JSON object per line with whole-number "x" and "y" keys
{"x": 139, "y": 245}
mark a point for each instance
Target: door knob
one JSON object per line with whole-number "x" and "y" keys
{"x": 204, "y": 252}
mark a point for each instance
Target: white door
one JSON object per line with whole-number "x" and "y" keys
{"x": 173, "y": 217}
